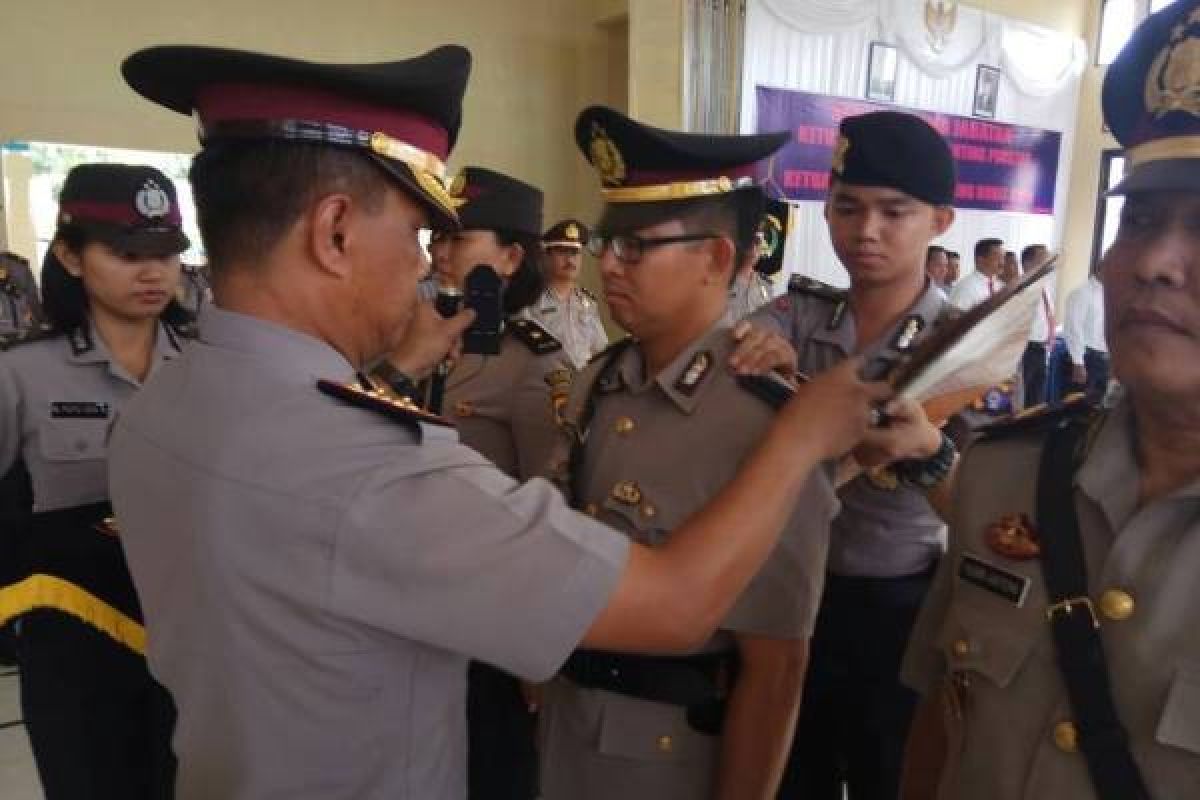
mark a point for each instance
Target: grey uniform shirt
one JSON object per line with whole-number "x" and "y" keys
{"x": 507, "y": 406}
{"x": 1002, "y": 740}
{"x": 883, "y": 530}
{"x": 58, "y": 399}
{"x": 315, "y": 575}
{"x": 574, "y": 321}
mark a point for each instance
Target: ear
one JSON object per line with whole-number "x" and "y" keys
{"x": 943, "y": 218}
{"x": 331, "y": 233}
{"x": 510, "y": 262}
{"x": 70, "y": 260}
{"x": 721, "y": 265}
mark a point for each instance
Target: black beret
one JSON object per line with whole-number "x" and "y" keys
{"x": 1152, "y": 101}
{"x": 640, "y": 163}
{"x": 490, "y": 200}
{"x": 131, "y": 208}
{"x": 567, "y": 233}
{"x": 404, "y": 115}
{"x": 897, "y": 151}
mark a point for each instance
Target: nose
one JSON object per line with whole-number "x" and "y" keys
{"x": 869, "y": 226}
{"x": 609, "y": 264}
{"x": 1167, "y": 259}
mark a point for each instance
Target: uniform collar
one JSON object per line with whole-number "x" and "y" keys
{"x": 87, "y": 347}
{"x": 296, "y": 354}
{"x": 840, "y": 328}
{"x": 686, "y": 379}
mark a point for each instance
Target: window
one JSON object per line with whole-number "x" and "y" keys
{"x": 1108, "y": 209}
{"x": 1118, "y": 19}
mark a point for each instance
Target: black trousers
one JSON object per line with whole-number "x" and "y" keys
{"x": 501, "y": 755}
{"x": 1033, "y": 373}
{"x": 99, "y": 724}
{"x": 855, "y": 715}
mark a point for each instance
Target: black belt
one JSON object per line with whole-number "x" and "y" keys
{"x": 698, "y": 682}
{"x": 1102, "y": 737}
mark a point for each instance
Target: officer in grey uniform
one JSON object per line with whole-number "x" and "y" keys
{"x": 1058, "y": 647}
{"x": 317, "y": 563}
{"x": 99, "y": 724}
{"x": 506, "y": 405}
{"x": 565, "y": 308}
{"x": 20, "y": 311}
{"x": 891, "y": 193}
{"x": 661, "y": 425}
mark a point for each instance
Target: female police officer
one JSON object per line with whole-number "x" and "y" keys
{"x": 99, "y": 724}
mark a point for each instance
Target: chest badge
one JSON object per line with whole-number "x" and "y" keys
{"x": 1013, "y": 536}
{"x": 627, "y": 492}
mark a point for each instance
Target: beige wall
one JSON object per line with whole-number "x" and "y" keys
{"x": 537, "y": 62}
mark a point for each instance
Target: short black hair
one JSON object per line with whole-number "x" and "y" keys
{"x": 64, "y": 297}
{"x": 249, "y": 193}
{"x": 527, "y": 282}
{"x": 933, "y": 250}
{"x": 1029, "y": 252}
{"x": 985, "y": 246}
{"x": 738, "y": 214}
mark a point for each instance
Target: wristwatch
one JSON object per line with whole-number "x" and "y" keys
{"x": 928, "y": 473}
{"x": 399, "y": 381}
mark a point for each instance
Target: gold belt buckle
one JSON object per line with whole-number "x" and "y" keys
{"x": 1068, "y": 606}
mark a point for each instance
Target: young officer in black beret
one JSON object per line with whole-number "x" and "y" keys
{"x": 891, "y": 193}
{"x": 99, "y": 724}
{"x": 318, "y": 564}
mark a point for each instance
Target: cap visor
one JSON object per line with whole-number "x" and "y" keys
{"x": 440, "y": 217}
{"x": 571, "y": 245}
{"x": 140, "y": 242}
{"x": 1169, "y": 175}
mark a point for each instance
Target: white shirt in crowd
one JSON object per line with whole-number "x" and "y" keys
{"x": 973, "y": 289}
{"x": 574, "y": 321}
{"x": 1043, "y": 318}
{"x": 1083, "y": 320}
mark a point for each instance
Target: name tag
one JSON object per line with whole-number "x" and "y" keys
{"x": 80, "y": 410}
{"x": 1009, "y": 585}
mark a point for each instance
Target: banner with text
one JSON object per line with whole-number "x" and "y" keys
{"x": 1001, "y": 167}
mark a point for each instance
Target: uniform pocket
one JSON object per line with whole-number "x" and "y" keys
{"x": 64, "y": 440}
{"x": 1179, "y": 725}
{"x": 647, "y": 731}
{"x": 987, "y": 644}
{"x": 641, "y": 518}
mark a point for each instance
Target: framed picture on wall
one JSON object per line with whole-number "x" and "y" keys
{"x": 881, "y": 72}
{"x": 987, "y": 89}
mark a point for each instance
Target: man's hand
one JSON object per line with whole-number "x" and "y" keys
{"x": 907, "y": 434}
{"x": 760, "y": 351}
{"x": 833, "y": 410}
{"x": 1079, "y": 374}
{"x": 430, "y": 339}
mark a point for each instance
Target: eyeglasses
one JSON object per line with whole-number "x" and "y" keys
{"x": 629, "y": 249}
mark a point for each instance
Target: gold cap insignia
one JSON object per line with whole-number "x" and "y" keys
{"x": 572, "y": 232}
{"x": 839, "y": 154}
{"x": 1173, "y": 82}
{"x": 606, "y": 158}
{"x": 458, "y": 185}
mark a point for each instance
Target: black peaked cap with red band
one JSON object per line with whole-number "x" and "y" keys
{"x": 640, "y": 163}
{"x": 493, "y": 201}
{"x": 404, "y": 115}
{"x": 132, "y": 208}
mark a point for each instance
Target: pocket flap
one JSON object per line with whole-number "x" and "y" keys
{"x": 1179, "y": 725}
{"x": 74, "y": 439}
{"x": 649, "y": 731}
{"x": 976, "y": 642}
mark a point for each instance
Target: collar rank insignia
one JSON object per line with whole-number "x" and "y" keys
{"x": 108, "y": 526}
{"x": 693, "y": 376}
{"x": 400, "y": 409}
{"x": 906, "y": 336}
{"x": 534, "y": 336}
{"x": 883, "y": 478}
{"x": 1013, "y": 536}
{"x": 627, "y": 492}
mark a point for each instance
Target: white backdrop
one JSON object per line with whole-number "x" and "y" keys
{"x": 822, "y": 45}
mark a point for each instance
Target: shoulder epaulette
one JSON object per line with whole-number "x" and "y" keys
{"x": 772, "y": 392}
{"x": 613, "y": 348}
{"x": 802, "y": 284}
{"x": 534, "y": 336}
{"x": 11, "y": 341}
{"x": 399, "y": 410}
{"x": 1040, "y": 418}
{"x": 586, "y": 292}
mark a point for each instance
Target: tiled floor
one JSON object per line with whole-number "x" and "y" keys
{"x": 18, "y": 776}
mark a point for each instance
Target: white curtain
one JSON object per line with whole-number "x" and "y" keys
{"x": 713, "y": 64}
{"x": 822, "y": 46}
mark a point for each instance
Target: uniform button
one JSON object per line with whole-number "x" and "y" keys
{"x": 665, "y": 744}
{"x": 1116, "y": 604}
{"x": 1066, "y": 738}
{"x": 591, "y": 509}
{"x": 624, "y": 425}
{"x": 649, "y": 511}
{"x": 961, "y": 648}
{"x": 464, "y": 408}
